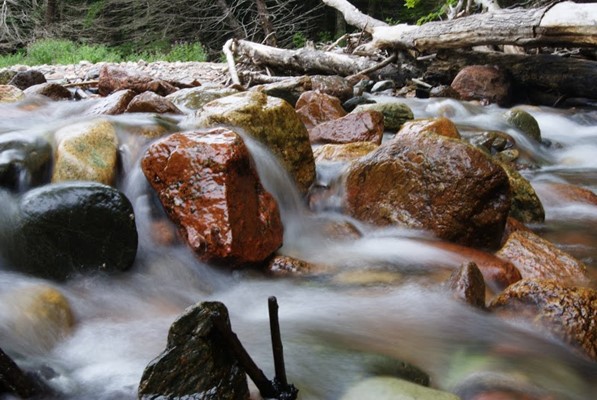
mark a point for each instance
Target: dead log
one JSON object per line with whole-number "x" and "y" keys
{"x": 552, "y": 77}
{"x": 562, "y": 24}
{"x": 303, "y": 60}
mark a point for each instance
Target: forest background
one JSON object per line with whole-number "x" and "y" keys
{"x": 66, "y": 31}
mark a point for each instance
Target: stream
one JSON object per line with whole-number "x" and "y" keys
{"x": 334, "y": 333}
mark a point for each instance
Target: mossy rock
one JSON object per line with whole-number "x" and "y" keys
{"x": 394, "y": 113}
{"x": 524, "y": 122}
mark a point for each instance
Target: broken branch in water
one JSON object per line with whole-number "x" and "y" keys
{"x": 279, "y": 387}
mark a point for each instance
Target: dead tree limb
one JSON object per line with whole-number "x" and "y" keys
{"x": 565, "y": 23}
{"x": 353, "y": 16}
{"x": 302, "y": 60}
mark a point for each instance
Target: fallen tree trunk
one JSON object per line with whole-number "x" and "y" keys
{"x": 303, "y": 60}
{"x": 549, "y": 76}
{"x": 562, "y": 24}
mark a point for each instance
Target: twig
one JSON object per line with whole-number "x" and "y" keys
{"x": 84, "y": 83}
{"x": 380, "y": 65}
{"x": 227, "y": 50}
{"x": 277, "y": 347}
{"x": 341, "y": 38}
{"x": 265, "y": 386}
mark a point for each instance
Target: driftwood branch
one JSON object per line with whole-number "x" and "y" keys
{"x": 353, "y": 16}
{"x": 565, "y": 23}
{"x": 302, "y": 60}
{"x": 228, "y": 52}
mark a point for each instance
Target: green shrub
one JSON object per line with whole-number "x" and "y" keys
{"x": 298, "y": 40}
{"x": 60, "y": 51}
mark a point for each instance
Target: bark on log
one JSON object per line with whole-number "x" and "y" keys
{"x": 564, "y": 23}
{"x": 548, "y": 74}
{"x": 302, "y": 60}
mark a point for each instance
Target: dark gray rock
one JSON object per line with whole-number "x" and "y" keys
{"x": 24, "y": 161}
{"x": 65, "y": 229}
{"x": 196, "y": 363}
{"x": 25, "y": 79}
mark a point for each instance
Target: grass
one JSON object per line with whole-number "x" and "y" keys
{"x": 59, "y": 51}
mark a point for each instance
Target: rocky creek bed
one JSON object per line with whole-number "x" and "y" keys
{"x": 424, "y": 248}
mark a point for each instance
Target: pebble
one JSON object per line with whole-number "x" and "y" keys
{"x": 170, "y": 71}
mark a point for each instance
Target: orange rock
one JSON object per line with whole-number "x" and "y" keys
{"x": 149, "y": 102}
{"x": 535, "y": 257}
{"x": 208, "y": 186}
{"x": 441, "y": 126}
{"x": 481, "y": 82}
{"x": 431, "y": 182}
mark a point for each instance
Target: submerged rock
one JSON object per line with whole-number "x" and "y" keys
{"x": 272, "y": 122}
{"x": 535, "y": 257}
{"x": 24, "y": 160}
{"x": 39, "y": 317}
{"x": 197, "y": 363}
{"x": 526, "y": 206}
{"x": 70, "y": 228}
{"x": 197, "y": 97}
{"x": 390, "y": 388}
{"x": 394, "y": 113}
{"x": 208, "y": 186}
{"x": 366, "y": 126}
{"x": 525, "y": 122}
{"x": 314, "y": 108}
{"x": 569, "y": 313}
{"x": 10, "y": 94}
{"x": 428, "y": 181}
{"x": 86, "y": 151}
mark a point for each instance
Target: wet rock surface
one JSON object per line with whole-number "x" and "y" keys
{"x": 389, "y": 388}
{"x": 51, "y": 90}
{"x": 208, "y": 186}
{"x": 272, "y": 122}
{"x": 366, "y": 126}
{"x": 24, "y": 161}
{"x": 62, "y": 230}
{"x": 535, "y": 257}
{"x": 113, "y": 104}
{"x": 431, "y": 182}
{"x": 86, "y": 151}
{"x": 149, "y": 102}
{"x": 314, "y": 108}
{"x": 394, "y": 113}
{"x": 570, "y": 313}
{"x": 196, "y": 363}
{"x": 441, "y": 126}
{"x": 467, "y": 284}
{"x": 25, "y": 79}
{"x": 10, "y": 94}
{"x": 343, "y": 152}
{"x": 485, "y": 83}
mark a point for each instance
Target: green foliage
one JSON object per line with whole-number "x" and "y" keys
{"x": 53, "y": 51}
{"x": 428, "y": 10}
{"x": 298, "y": 40}
{"x": 324, "y": 36}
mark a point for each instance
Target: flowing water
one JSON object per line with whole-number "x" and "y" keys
{"x": 334, "y": 333}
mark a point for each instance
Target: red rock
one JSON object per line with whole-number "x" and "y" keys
{"x": 467, "y": 284}
{"x": 208, "y": 186}
{"x": 431, "y": 182}
{"x": 149, "y": 102}
{"x": 289, "y": 266}
{"x": 486, "y": 83}
{"x": 441, "y": 126}
{"x": 513, "y": 225}
{"x": 535, "y": 257}
{"x": 366, "y": 126}
{"x": 567, "y": 312}
{"x": 343, "y": 152}
{"x": 556, "y": 194}
{"x": 112, "y": 79}
{"x": 314, "y": 108}
{"x": 497, "y": 273}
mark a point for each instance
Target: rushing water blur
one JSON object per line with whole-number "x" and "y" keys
{"x": 334, "y": 333}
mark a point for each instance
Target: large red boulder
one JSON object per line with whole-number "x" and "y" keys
{"x": 427, "y": 181}
{"x": 208, "y": 186}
